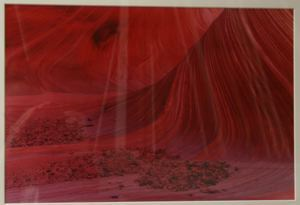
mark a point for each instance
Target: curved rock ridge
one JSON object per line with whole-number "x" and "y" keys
{"x": 201, "y": 84}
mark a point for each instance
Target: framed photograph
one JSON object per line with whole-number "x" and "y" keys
{"x": 158, "y": 102}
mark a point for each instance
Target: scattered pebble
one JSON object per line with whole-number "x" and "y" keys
{"x": 154, "y": 169}
{"x": 48, "y": 132}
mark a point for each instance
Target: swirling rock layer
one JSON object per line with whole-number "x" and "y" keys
{"x": 202, "y": 84}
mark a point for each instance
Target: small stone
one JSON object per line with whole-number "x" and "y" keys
{"x": 114, "y": 196}
{"x": 121, "y": 186}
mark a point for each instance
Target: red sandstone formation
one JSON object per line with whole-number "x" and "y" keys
{"x": 211, "y": 89}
